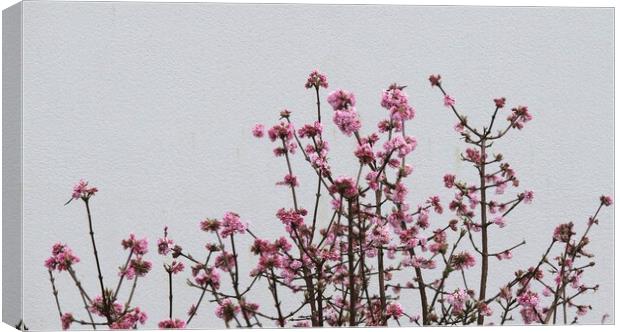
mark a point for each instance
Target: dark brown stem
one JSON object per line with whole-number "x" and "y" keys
{"x": 99, "y": 275}
{"x": 485, "y": 241}
{"x": 170, "y": 292}
{"x": 381, "y": 268}
{"x": 352, "y": 293}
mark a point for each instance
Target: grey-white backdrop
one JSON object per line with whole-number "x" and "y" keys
{"x": 153, "y": 103}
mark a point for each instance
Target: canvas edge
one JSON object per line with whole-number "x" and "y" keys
{"x": 12, "y": 245}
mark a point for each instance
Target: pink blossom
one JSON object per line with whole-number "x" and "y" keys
{"x": 96, "y": 307}
{"x": 138, "y": 247}
{"x": 140, "y": 267}
{"x": 341, "y": 100}
{"x": 231, "y": 224}
{"x": 435, "y": 80}
{"x": 291, "y": 218}
{"x": 403, "y": 145}
{"x": 607, "y": 200}
{"x": 459, "y": 127}
{"x": 448, "y": 180}
{"x": 474, "y": 156}
{"x": 316, "y": 79}
{"x": 582, "y": 310}
{"x": 171, "y": 324}
{"x": 176, "y": 267}
{"x": 399, "y": 193}
{"x": 282, "y": 131}
{"x": 210, "y": 225}
{"x": 396, "y": 101}
{"x": 227, "y": 310}
{"x": 435, "y": 202}
{"x": 347, "y": 121}
{"x": 528, "y": 196}
{"x": 62, "y": 258}
{"x": 458, "y": 300}
{"x": 289, "y": 180}
{"x": 258, "y": 130}
{"x": 484, "y": 309}
{"x": 394, "y": 310}
{"x": 130, "y": 320}
{"x": 365, "y": 154}
{"x": 499, "y": 221}
{"x": 519, "y": 116}
{"x": 225, "y": 261}
{"x": 464, "y": 260}
{"x": 529, "y": 315}
{"x": 66, "y": 319}
{"x": 311, "y": 130}
{"x": 164, "y": 244}
{"x": 500, "y": 102}
{"x": 344, "y": 186}
{"x": 373, "y": 180}
{"x": 448, "y": 101}
{"x": 208, "y": 277}
{"x": 82, "y": 190}
{"x": 504, "y": 255}
{"x": 563, "y": 232}
{"x": 528, "y": 299}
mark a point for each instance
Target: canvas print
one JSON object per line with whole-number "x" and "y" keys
{"x": 249, "y": 166}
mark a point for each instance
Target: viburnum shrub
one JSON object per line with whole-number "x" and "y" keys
{"x": 106, "y": 305}
{"x": 347, "y": 270}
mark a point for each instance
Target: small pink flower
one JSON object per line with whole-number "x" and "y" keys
{"x": 504, "y": 255}
{"x": 227, "y": 310}
{"x": 210, "y": 277}
{"x": 344, "y": 186}
{"x": 231, "y": 224}
{"x": 448, "y": 101}
{"x": 365, "y": 154}
{"x": 176, "y": 267}
{"x": 500, "y": 102}
{"x": 139, "y": 247}
{"x": 528, "y": 299}
{"x": 499, "y": 221}
{"x": 459, "y": 127}
{"x": 66, "y": 319}
{"x": 316, "y": 79}
{"x": 62, "y": 258}
{"x": 171, "y": 324}
{"x": 435, "y": 80}
{"x": 258, "y": 131}
{"x": 282, "y": 130}
{"x": 341, "y": 100}
{"x": 311, "y": 130}
{"x": 563, "y": 232}
{"x": 519, "y": 116}
{"x": 347, "y": 120}
{"x": 464, "y": 260}
{"x": 394, "y": 310}
{"x": 82, "y": 190}
{"x": 607, "y": 200}
{"x": 448, "y": 180}
{"x": 458, "y": 300}
{"x": 289, "y": 180}
{"x": 164, "y": 245}
{"x": 528, "y": 196}
{"x": 225, "y": 261}
{"x": 140, "y": 266}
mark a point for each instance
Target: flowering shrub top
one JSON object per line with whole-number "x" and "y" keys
{"x": 342, "y": 269}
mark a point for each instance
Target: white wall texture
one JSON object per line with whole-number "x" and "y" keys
{"x": 153, "y": 103}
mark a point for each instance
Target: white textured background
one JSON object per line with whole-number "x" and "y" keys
{"x": 153, "y": 104}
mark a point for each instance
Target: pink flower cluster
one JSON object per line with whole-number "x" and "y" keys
{"x": 62, "y": 258}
